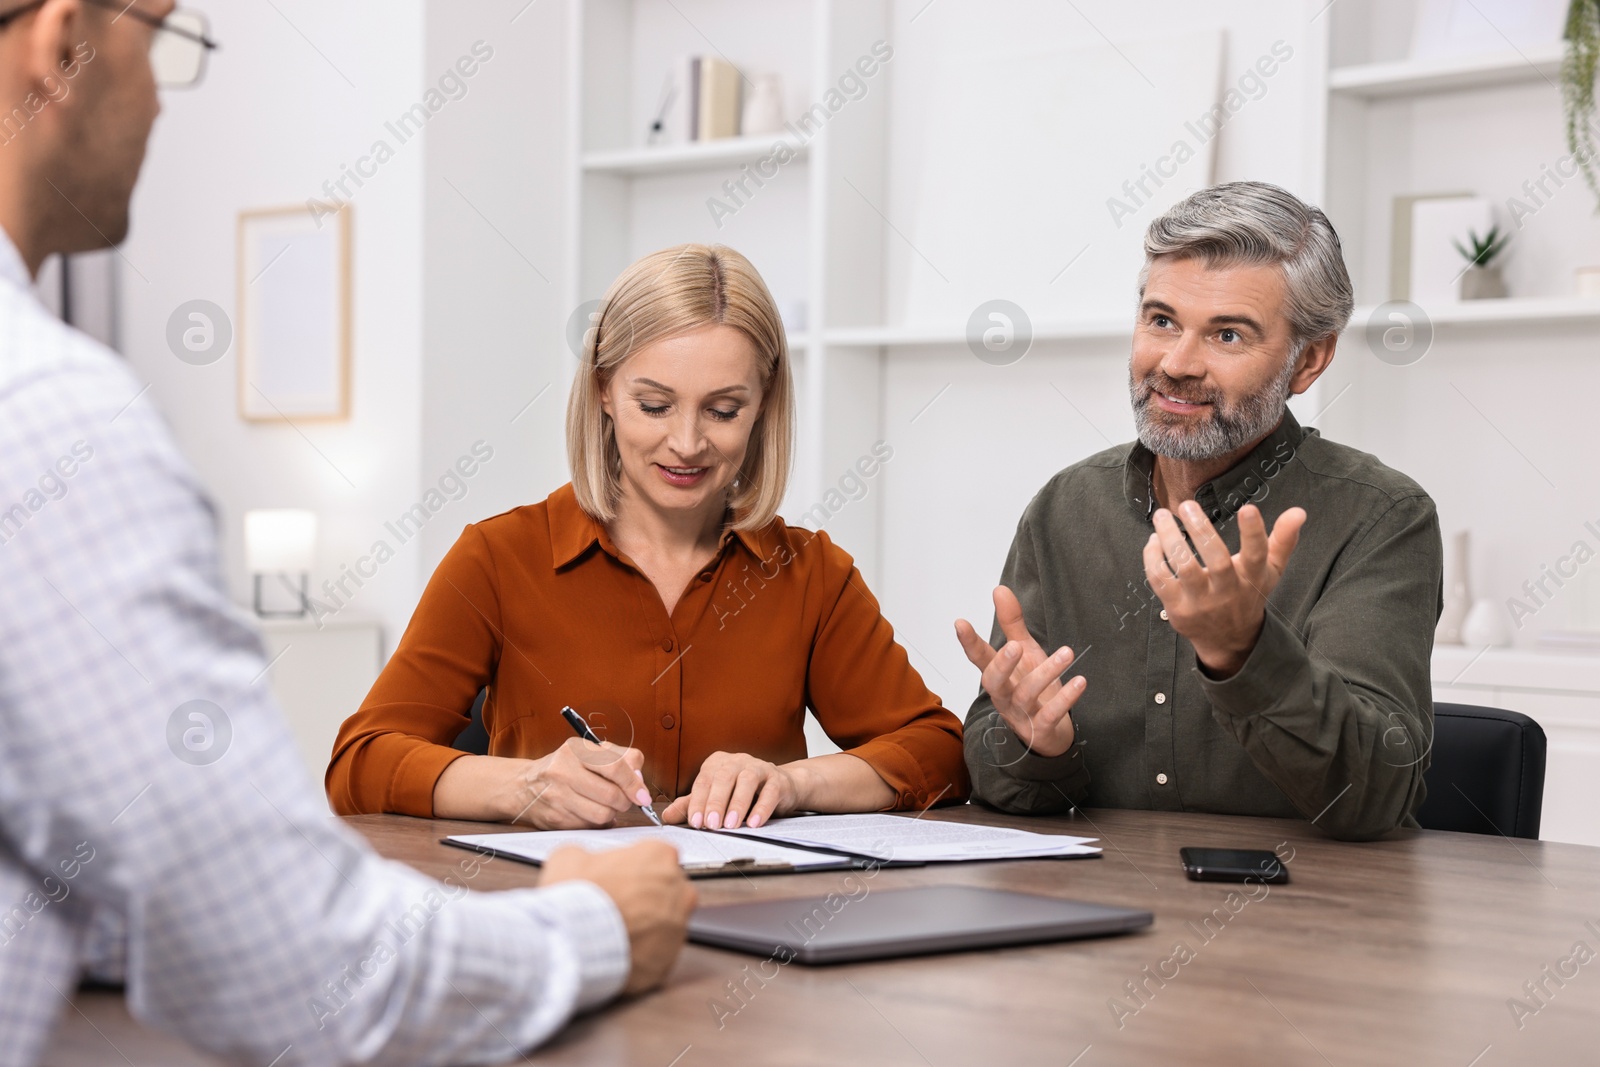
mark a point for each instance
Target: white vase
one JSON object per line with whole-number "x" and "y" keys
{"x": 1483, "y": 283}
{"x": 1486, "y": 624}
{"x": 763, "y": 107}
{"x": 1457, "y": 593}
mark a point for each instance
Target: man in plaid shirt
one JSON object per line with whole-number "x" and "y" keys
{"x": 239, "y": 915}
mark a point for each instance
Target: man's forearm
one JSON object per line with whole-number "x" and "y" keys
{"x": 1005, "y": 775}
{"x": 1350, "y": 759}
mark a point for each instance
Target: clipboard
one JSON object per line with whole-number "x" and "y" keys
{"x": 754, "y": 864}
{"x": 739, "y": 865}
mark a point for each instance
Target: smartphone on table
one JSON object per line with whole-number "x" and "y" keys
{"x": 1233, "y": 865}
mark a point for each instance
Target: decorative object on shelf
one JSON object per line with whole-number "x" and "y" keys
{"x": 294, "y": 314}
{"x": 1400, "y": 240}
{"x": 763, "y": 107}
{"x": 281, "y": 542}
{"x": 668, "y": 126}
{"x": 1475, "y": 27}
{"x": 700, "y": 101}
{"x": 1482, "y": 279}
{"x": 1486, "y": 625}
{"x": 1457, "y": 592}
{"x": 1588, "y": 282}
{"x": 1435, "y": 225}
{"x": 1579, "y": 68}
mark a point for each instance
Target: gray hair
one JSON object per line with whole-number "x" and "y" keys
{"x": 1258, "y": 223}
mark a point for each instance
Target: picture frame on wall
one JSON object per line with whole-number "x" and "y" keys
{"x": 294, "y": 315}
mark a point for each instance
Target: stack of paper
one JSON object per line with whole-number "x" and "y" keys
{"x": 917, "y": 840}
{"x": 820, "y": 841}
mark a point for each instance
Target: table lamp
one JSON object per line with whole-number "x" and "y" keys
{"x": 281, "y": 541}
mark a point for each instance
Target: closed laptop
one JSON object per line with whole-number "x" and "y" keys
{"x": 903, "y": 922}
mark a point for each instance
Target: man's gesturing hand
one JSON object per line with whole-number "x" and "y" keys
{"x": 1218, "y": 601}
{"x": 1024, "y": 683}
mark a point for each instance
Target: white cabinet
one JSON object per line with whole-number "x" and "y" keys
{"x": 320, "y": 677}
{"x": 1561, "y": 692}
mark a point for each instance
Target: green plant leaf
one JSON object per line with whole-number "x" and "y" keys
{"x": 1579, "y": 69}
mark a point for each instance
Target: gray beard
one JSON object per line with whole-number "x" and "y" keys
{"x": 1227, "y": 427}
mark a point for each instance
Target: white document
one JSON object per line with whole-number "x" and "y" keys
{"x": 918, "y": 840}
{"x": 698, "y": 850}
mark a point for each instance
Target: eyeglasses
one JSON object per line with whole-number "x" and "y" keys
{"x": 177, "y": 50}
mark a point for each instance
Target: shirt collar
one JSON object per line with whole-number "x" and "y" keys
{"x": 1229, "y": 491}
{"x": 573, "y": 531}
{"x": 12, "y": 269}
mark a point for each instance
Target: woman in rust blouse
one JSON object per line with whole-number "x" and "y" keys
{"x": 660, "y": 595}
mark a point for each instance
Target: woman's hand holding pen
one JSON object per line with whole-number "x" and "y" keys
{"x": 581, "y": 785}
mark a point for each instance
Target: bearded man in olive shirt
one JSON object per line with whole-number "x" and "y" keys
{"x": 1220, "y": 668}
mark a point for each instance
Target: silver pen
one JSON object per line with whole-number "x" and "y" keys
{"x": 581, "y": 728}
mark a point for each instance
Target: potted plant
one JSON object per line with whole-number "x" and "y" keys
{"x": 1481, "y": 280}
{"x": 1579, "y": 68}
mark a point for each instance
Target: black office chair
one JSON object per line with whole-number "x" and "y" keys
{"x": 1487, "y": 774}
{"x": 474, "y": 739}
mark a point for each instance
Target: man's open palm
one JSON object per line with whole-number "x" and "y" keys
{"x": 1022, "y": 680}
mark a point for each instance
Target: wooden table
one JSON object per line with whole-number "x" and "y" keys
{"x": 1403, "y": 951}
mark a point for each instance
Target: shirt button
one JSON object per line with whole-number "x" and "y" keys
{"x": 1161, "y": 779}
{"x": 666, "y": 644}
{"x": 1163, "y": 614}
{"x": 666, "y": 722}
{"x": 706, "y": 576}
{"x": 1161, "y": 698}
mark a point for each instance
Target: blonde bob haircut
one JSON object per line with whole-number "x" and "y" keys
{"x": 667, "y": 293}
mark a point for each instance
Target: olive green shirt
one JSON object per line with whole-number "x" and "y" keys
{"x": 1331, "y": 716}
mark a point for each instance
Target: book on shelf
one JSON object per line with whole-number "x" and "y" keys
{"x": 718, "y": 100}
{"x": 701, "y": 101}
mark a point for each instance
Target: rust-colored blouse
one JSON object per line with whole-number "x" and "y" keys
{"x": 538, "y": 604}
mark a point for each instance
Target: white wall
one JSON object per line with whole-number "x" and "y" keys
{"x": 299, "y": 89}
{"x": 494, "y": 294}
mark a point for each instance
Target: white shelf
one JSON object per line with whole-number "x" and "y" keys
{"x": 1462, "y": 667}
{"x": 700, "y": 155}
{"x": 1530, "y": 310}
{"x": 1447, "y": 74}
{"x": 956, "y": 334}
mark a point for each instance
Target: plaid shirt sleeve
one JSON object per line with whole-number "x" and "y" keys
{"x": 149, "y": 784}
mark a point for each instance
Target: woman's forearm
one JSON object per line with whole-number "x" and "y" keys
{"x": 484, "y": 788}
{"x": 839, "y": 782}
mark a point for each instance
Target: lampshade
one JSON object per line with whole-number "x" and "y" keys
{"x": 280, "y": 541}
